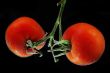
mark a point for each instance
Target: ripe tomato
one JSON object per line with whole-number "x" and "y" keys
{"x": 21, "y": 30}
{"x": 87, "y": 43}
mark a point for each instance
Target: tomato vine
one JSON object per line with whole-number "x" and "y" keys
{"x": 62, "y": 46}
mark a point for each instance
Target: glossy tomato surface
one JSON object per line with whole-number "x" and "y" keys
{"x": 87, "y": 42}
{"x": 21, "y": 30}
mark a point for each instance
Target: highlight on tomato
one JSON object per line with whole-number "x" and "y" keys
{"x": 87, "y": 43}
{"x": 21, "y": 36}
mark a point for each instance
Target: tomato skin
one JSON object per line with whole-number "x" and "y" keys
{"x": 21, "y": 30}
{"x": 87, "y": 42}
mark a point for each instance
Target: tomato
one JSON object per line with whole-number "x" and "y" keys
{"x": 87, "y": 43}
{"x": 21, "y": 30}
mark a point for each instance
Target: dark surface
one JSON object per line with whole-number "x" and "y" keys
{"x": 45, "y": 12}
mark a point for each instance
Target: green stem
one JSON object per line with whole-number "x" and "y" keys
{"x": 61, "y": 54}
{"x": 60, "y": 17}
{"x": 58, "y": 22}
{"x": 59, "y": 49}
{"x": 64, "y": 44}
{"x": 60, "y": 32}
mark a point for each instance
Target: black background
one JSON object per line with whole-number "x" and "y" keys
{"x": 45, "y": 13}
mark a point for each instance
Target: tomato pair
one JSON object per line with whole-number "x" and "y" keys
{"x": 87, "y": 41}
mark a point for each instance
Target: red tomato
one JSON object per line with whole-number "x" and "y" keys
{"x": 21, "y": 30}
{"x": 87, "y": 43}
